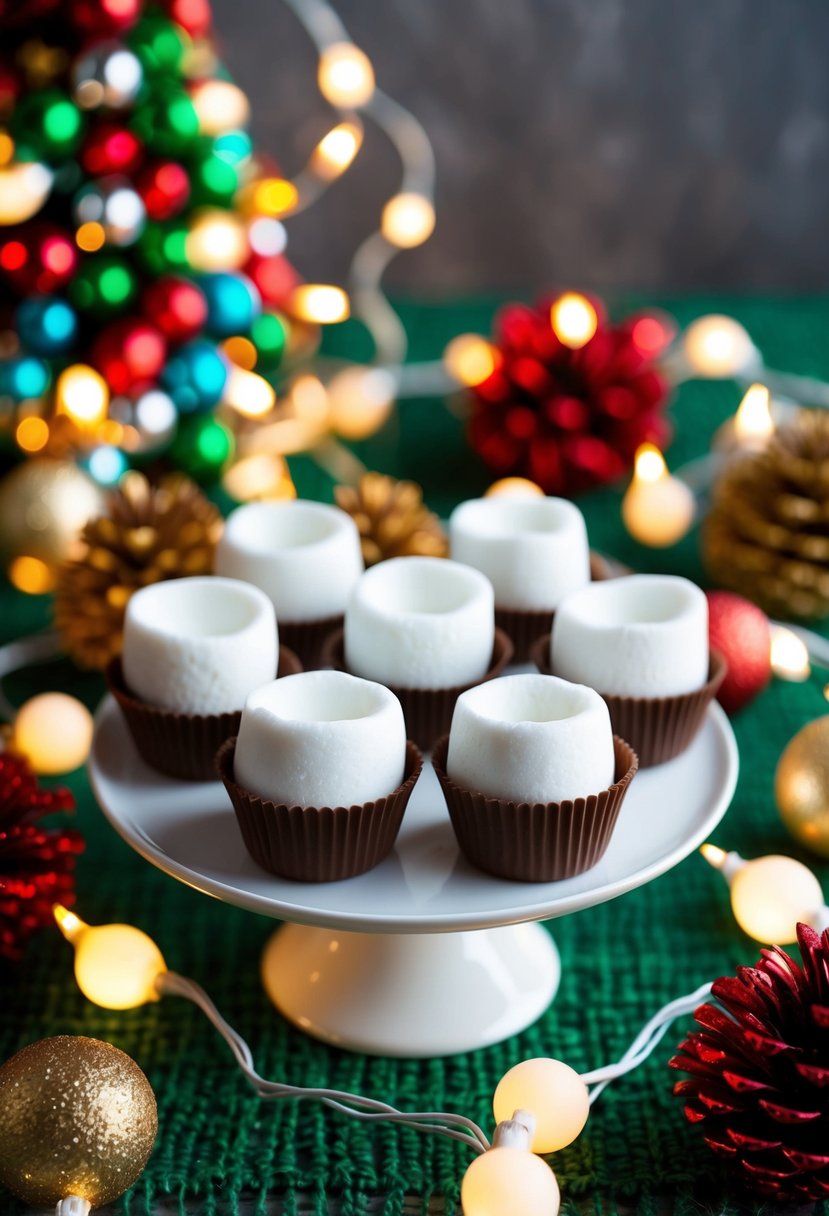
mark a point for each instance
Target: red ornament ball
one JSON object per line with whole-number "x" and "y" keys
{"x": 739, "y": 630}
{"x": 176, "y": 306}
{"x": 37, "y": 258}
{"x": 111, "y": 148}
{"x": 567, "y": 419}
{"x": 129, "y": 355}
{"x": 164, "y": 188}
{"x": 103, "y": 17}
{"x": 274, "y": 277}
{"x": 36, "y": 863}
{"x": 192, "y": 15}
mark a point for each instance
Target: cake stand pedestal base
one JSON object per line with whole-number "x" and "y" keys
{"x": 411, "y": 994}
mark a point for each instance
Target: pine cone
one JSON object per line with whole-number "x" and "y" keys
{"x": 148, "y": 534}
{"x": 760, "y": 1071}
{"x": 767, "y": 534}
{"x": 392, "y": 519}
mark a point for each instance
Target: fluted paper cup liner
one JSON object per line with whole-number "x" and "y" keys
{"x": 318, "y": 844}
{"x": 535, "y": 842}
{"x": 307, "y": 639}
{"x": 427, "y": 711}
{"x": 180, "y": 745}
{"x": 524, "y": 626}
{"x": 659, "y": 728}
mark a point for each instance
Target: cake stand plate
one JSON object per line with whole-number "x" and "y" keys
{"x": 424, "y": 955}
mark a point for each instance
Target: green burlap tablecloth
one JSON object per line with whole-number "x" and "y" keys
{"x": 218, "y": 1146}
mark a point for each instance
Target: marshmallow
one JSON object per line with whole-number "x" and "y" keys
{"x": 642, "y": 636}
{"x": 305, "y": 555}
{"x": 534, "y": 551}
{"x": 321, "y": 738}
{"x": 420, "y": 622}
{"x": 198, "y": 645}
{"x": 531, "y": 738}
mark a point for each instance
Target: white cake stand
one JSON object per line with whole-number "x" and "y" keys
{"x": 424, "y": 955}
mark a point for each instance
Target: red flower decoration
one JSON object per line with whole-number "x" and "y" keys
{"x": 759, "y": 1087}
{"x": 569, "y": 419}
{"x": 36, "y": 863}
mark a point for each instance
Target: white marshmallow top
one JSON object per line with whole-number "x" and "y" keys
{"x": 305, "y": 555}
{"x": 642, "y": 636}
{"x": 199, "y": 645}
{"x": 420, "y": 622}
{"x": 321, "y": 738}
{"x": 534, "y": 551}
{"x": 531, "y": 738}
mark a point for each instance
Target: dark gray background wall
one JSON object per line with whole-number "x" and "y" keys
{"x": 615, "y": 144}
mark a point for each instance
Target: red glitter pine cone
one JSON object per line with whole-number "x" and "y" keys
{"x": 36, "y": 863}
{"x": 570, "y": 420}
{"x": 759, "y": 1070}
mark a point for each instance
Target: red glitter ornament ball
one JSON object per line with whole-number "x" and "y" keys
{"x": 111, "y": 148}
{"x": 164, "y": 188}
{"x": 739, "y": 630}
{"x": 176, "y": 306}
{"x": 129, "y": 355}
{"x": 37, "y": 258}
{"x": 759, "y": 1072}
{"x": 36, "y": 863}
{"x": 103, "y": 17}
{"x": 567, "y": 419}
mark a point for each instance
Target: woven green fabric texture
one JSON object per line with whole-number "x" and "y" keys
{"x": 218, "y": 1144}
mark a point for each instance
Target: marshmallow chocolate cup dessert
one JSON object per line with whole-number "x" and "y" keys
{"x": 320, "y": 775}
{"x": 424, "y": 627}
{"x": 533, "y": 777}
{"x": 642, "y": 642}
{"x": 305, "y": 556}
{"x": 193, "y": 650}
{"x": 534, "y": 551}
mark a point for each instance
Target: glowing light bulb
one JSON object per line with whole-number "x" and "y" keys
{"x": 408, "y": 220}
{"x": 54, "y": 732}
{"x": 272, "y": 197}
{"x": 261, "y": 476}
{"x": 248, "y": 393}
{"x": 509, "y": 1181}
{"x": 31, "y": 575}
{"x": 83, "y": 395}
{"x": 217, "y": 240}
{"x": 470, "y": 359}
{"x": 753, "y": 423}
{"x": 336, "y": 150}
{"x": 553, "y": 1092}
{"x": 345, "y": 75}
{"x": 32, "y": 433}
{"x": 657, "y": 509}
{"x": 716, "y": 346}
{"x": 24, "y": 188}
{"x": 319, "y": 303}
{"x": 514, "y": 487}
{"x": 91, "y": 236}
{"x": 789, "y": 655}
{"x": 360, "y": 401}
{"x": 116, "y": 966}
{"x": 769, "y": 895}
{"x": 220, "y": 106}
{"x": 574, "y": 320}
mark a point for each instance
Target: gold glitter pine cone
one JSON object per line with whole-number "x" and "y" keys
{"x": 767, "y": 533}
{"x": 148, "y": 533}
{"x": 392, "y": 519}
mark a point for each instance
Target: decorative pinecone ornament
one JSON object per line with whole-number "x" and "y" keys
{"x": 567, "y": 419}
{"x": 36, "y": 863}
{"x": 392, "y": 519}
{"x": 148, "y": 533}
{"x": 759, "y": 1071}
{"x": 767, "y": 533}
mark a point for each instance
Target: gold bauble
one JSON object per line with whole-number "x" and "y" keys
{"x": 801, "y": 786}
{"x": 44, "y": 504}
{"x": 77, "y": 1117}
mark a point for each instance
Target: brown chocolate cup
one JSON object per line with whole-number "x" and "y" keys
{"x": 427, "y": 711}
{"x": 180, "y": 745}
{"x": 535, "y": 842}
{"x": 659, "y": 728}
{"x": 523, "y": 626}
{"x": 307, "y": 639}
{"x": 318, "y": 844}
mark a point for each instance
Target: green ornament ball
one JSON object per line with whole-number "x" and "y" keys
{"x": 269, "y": 334}
{"x": 103, "y": 285}
{"x": 48, "y": 125}
{"x": 166, "y": 120}
{"x": 202, "y": 447}
{"x": 163, "y": 247}
{"x": 159, "y": 44}
{"x": 214, "y": 180}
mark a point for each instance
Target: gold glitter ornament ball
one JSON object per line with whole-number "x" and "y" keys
{"x": 77, "y": 1117}
{"x": 801, "y": 786}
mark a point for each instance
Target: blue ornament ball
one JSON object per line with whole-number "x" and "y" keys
{"x": 24, "y": 378}
{"x": 46, "y": 325}
{"x": 233, "y": 303}
{"x": 195, "y": 377}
